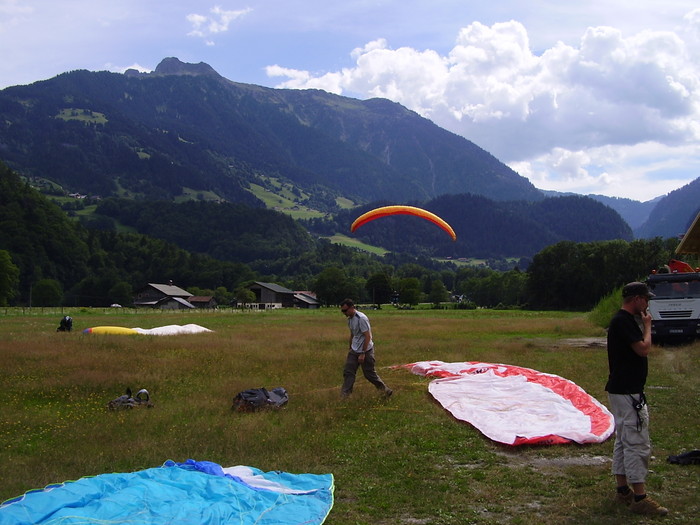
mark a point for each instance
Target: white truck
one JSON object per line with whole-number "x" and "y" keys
{"x": 675, "y": 307}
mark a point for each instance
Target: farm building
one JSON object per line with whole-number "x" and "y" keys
{"x": 271, "y": 295}
{"x": 163, "y": 296}
{"x": 203, "y": 301}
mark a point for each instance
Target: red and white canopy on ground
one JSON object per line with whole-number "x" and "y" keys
{"x": 516, "y": 405}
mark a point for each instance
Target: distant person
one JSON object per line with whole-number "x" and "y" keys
{"x": 66, "y": 324}
{"x": 629, "y": 342}
{"x": 360, "y": 352}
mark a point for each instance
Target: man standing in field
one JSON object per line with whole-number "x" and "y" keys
{"x": 629, "y": 342}
{"x": 361, "y": 351}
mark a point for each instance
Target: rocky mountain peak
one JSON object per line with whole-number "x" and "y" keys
{"x": 173, "y": 66}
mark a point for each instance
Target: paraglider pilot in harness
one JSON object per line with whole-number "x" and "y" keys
{"x": 66, "y": 324}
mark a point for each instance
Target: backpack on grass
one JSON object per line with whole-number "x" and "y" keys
{"x": 141, "y": 399}
{"x": 255, "y": 399}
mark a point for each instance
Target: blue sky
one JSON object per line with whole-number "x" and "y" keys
{"x": 599, "y": 96}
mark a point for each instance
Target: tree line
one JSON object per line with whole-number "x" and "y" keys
{"x": 563, "y": 276}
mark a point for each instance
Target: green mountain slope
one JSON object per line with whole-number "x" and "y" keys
{"x": 184, "y": 128}
{"x": 674, "y": 213}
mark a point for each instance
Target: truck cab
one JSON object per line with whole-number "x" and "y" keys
{"x": 675, "y": 307}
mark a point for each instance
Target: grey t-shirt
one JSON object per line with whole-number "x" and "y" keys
{"x": 358, "y": 324}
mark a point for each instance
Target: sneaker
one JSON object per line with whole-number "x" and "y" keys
{"x": 388, "y": 392}
{"x": 649, "y": 507}
{"x": 625, "y": 499}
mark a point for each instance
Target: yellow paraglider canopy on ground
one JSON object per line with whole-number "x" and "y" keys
{"x": 118, "y": 330}
{"x": 171, "y": 329}
{"x": 385, "y": 211}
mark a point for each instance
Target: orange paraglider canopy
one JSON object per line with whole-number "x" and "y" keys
{"x": 385, "y": 211}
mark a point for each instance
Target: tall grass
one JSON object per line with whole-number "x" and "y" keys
{"x": 401, "y": 460}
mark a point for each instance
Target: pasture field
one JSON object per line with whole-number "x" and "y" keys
{"x": 402, "y": 460}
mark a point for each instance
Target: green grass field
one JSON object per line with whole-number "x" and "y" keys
{"x": 402, "y": 460}
{"x": 352, "y": 242}
{"x": 279, "y": 196}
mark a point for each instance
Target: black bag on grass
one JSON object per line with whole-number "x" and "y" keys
{"x": 689, "y": 458}
{"x": 255, "y": 399}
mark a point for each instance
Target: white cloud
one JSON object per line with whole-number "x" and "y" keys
{"x": 121, "y": 69}
{"x": 12, "y": 14}
{"x": 641, "y": 172}
{"x": 560, "y": 117}
{"x": 217, "y": 21}
{"x": 14, "y": 7}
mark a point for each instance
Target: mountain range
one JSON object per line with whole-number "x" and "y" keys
{"x": 183, "y": 132}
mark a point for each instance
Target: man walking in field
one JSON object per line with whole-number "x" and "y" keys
{"x": 361, "y": 351}
{"x": 629, "y": 342}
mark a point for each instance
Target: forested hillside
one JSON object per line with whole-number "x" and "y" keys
{"x": 89, "y": 267}
{"x": 486, "y": 228}
{"x": 634, "y": 213}
{"x": 225, "y": 231}
{"x": 47, "y": 259}
{"x": 674, "y": 213}
{"x": 43, "y": 242}
{"x": 92, "y": 268}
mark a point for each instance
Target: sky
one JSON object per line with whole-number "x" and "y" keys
{"x": 591, "y": 97}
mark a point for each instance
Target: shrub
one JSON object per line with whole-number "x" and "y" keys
{"x": 606, "y": 308}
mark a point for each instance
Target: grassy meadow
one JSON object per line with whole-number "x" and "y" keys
{"x": 402, "y": 460}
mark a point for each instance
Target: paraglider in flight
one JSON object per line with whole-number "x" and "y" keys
{"x": 385, "y": 211}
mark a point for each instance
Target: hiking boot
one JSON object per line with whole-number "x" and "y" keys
{"x": 648, "y": 507}
{"x": 625, "y": 499}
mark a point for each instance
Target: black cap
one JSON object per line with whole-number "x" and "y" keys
{"x": 636, "y": 288}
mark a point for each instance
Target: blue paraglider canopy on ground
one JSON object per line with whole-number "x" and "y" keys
{"x": 196, "y": 492}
